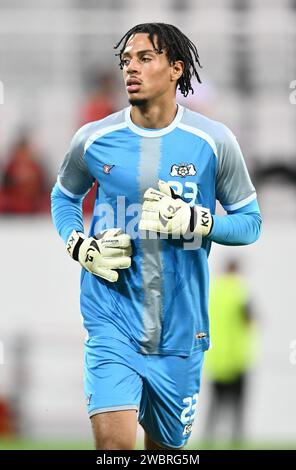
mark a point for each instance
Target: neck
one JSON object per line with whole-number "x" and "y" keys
{"x": 154, "y": 116}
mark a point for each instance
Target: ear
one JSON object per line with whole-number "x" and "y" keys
{"x": 177, "y": 69}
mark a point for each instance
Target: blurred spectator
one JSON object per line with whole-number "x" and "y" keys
{"x": 100, "y": 102}
{"x": 24, "y": 188}
{"x": 6, "y": 425}
{"x": 232, "y": 353}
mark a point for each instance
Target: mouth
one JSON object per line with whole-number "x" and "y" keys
{"x": 133, "y": 85}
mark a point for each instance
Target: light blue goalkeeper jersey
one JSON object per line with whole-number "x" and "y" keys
{"x": 160, "y": 304}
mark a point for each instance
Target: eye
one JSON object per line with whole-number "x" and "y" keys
{"x": 124, "y": 62}
{"x": 146, "y": 59}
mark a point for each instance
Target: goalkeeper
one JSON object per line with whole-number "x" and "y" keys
{"x": 144, "y": 284}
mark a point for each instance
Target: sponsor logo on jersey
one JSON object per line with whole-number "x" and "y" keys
{"x": 107, "y": 169}
{"x": 183, "y": 170}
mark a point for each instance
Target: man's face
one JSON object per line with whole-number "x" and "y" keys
{"x": 147, "y": 74}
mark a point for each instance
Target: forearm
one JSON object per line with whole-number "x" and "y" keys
{"x": 66, "y": 213}
{"x": 241, "y": 227}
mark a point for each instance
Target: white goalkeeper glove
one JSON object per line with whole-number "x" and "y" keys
{"x": 165, "y": 212}
{"x": 102, "y": 254}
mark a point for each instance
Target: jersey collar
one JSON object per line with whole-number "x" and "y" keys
{"x": 153, "y": 132}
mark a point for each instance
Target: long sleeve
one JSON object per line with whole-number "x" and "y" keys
{"x": 66, "y": 213}
{"x": 73, "y": 183}
{"x": 237, "y": 195}
{"x": 239, "y": 227}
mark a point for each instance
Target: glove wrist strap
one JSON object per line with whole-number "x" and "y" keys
{"x": 201, "y": 220}
{"x": 74, "y": 243}
{"x": 193, "y": 219}
{"x": 75, "y": 254}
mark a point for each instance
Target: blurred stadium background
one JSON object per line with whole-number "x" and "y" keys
{"x": 51, "y": 55}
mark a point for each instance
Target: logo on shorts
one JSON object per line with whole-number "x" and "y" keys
{"x": 88, "y": 398}
{"x": 107, "y": 169}
{"x": 183, "y": 170}
{"x": 187, "y": 429}
{"x": 200, "y": 335}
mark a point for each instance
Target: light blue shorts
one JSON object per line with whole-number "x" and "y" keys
{"x": 164, "y": 389}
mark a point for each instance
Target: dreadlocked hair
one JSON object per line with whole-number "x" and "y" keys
{"x": 176, "y": 45}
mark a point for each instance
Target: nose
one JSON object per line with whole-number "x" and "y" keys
{"x": 133, "y": 65}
